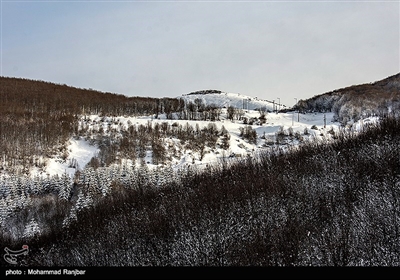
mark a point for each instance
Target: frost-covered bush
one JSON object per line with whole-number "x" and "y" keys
{"x": 31, "y": 229}
{"x": 248, "y": 133}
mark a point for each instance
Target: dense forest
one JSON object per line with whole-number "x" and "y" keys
{"x": 320, "y": 204}
{"x": 356, "y": 102}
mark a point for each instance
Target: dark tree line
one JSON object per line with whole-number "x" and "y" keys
{"x": 207, "y": 91}
{"x": 321, "y": 204}
{"x": 197, "y": 110}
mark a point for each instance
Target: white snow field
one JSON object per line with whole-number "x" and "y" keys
{"x": 80, "y": 152}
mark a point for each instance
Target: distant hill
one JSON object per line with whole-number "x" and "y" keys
{"x": 25, "y": 95}
{"x": 358, "y": 101}
{"x": 224, "y": 100}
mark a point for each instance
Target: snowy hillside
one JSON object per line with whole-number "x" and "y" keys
{"x": 279, "y": 130}
{"x": 207, "y": 127}
{"x": 358, "y": 101}
{"x": 237, "y": 100}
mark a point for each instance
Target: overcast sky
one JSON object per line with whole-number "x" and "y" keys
{"x": 265, "y": 49}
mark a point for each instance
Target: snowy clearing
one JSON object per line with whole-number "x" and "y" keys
{"x": 80, "y": 152}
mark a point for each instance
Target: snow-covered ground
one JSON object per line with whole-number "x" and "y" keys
{"x": 313, "y": 126}
{"x": 80, "y": 152}
{"x": 292, "y": 127}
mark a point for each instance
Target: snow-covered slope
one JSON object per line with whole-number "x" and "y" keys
{"x": 237, "y": 100}
{"x": 80, "y": 152}
{"x": 278, "y": 129}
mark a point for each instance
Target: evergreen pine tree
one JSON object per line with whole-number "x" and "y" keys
{"x": 167, "y": 175}
{"x": 4, "y": 211}
{"x": 83, "y": 201}
{"x": 36, "y": 187}
{"x": 154, "y": 177}
{"x": 91, "y": 181}
{"x": 132, "y": 179}
{"x": 65, "y": 187}
{"x": 70, "y": 218}
{"x": 31, "y": 229}
{"x": 103, "y": 181}
{"x": 143, "y": 175}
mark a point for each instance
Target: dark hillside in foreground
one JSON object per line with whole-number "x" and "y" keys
{"x": 323, "y": 204}
{"x": 358, "y": 101}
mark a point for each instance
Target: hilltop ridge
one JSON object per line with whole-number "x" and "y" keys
{"x": 225, "y": 99}
{"x": 358, "y": 101}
